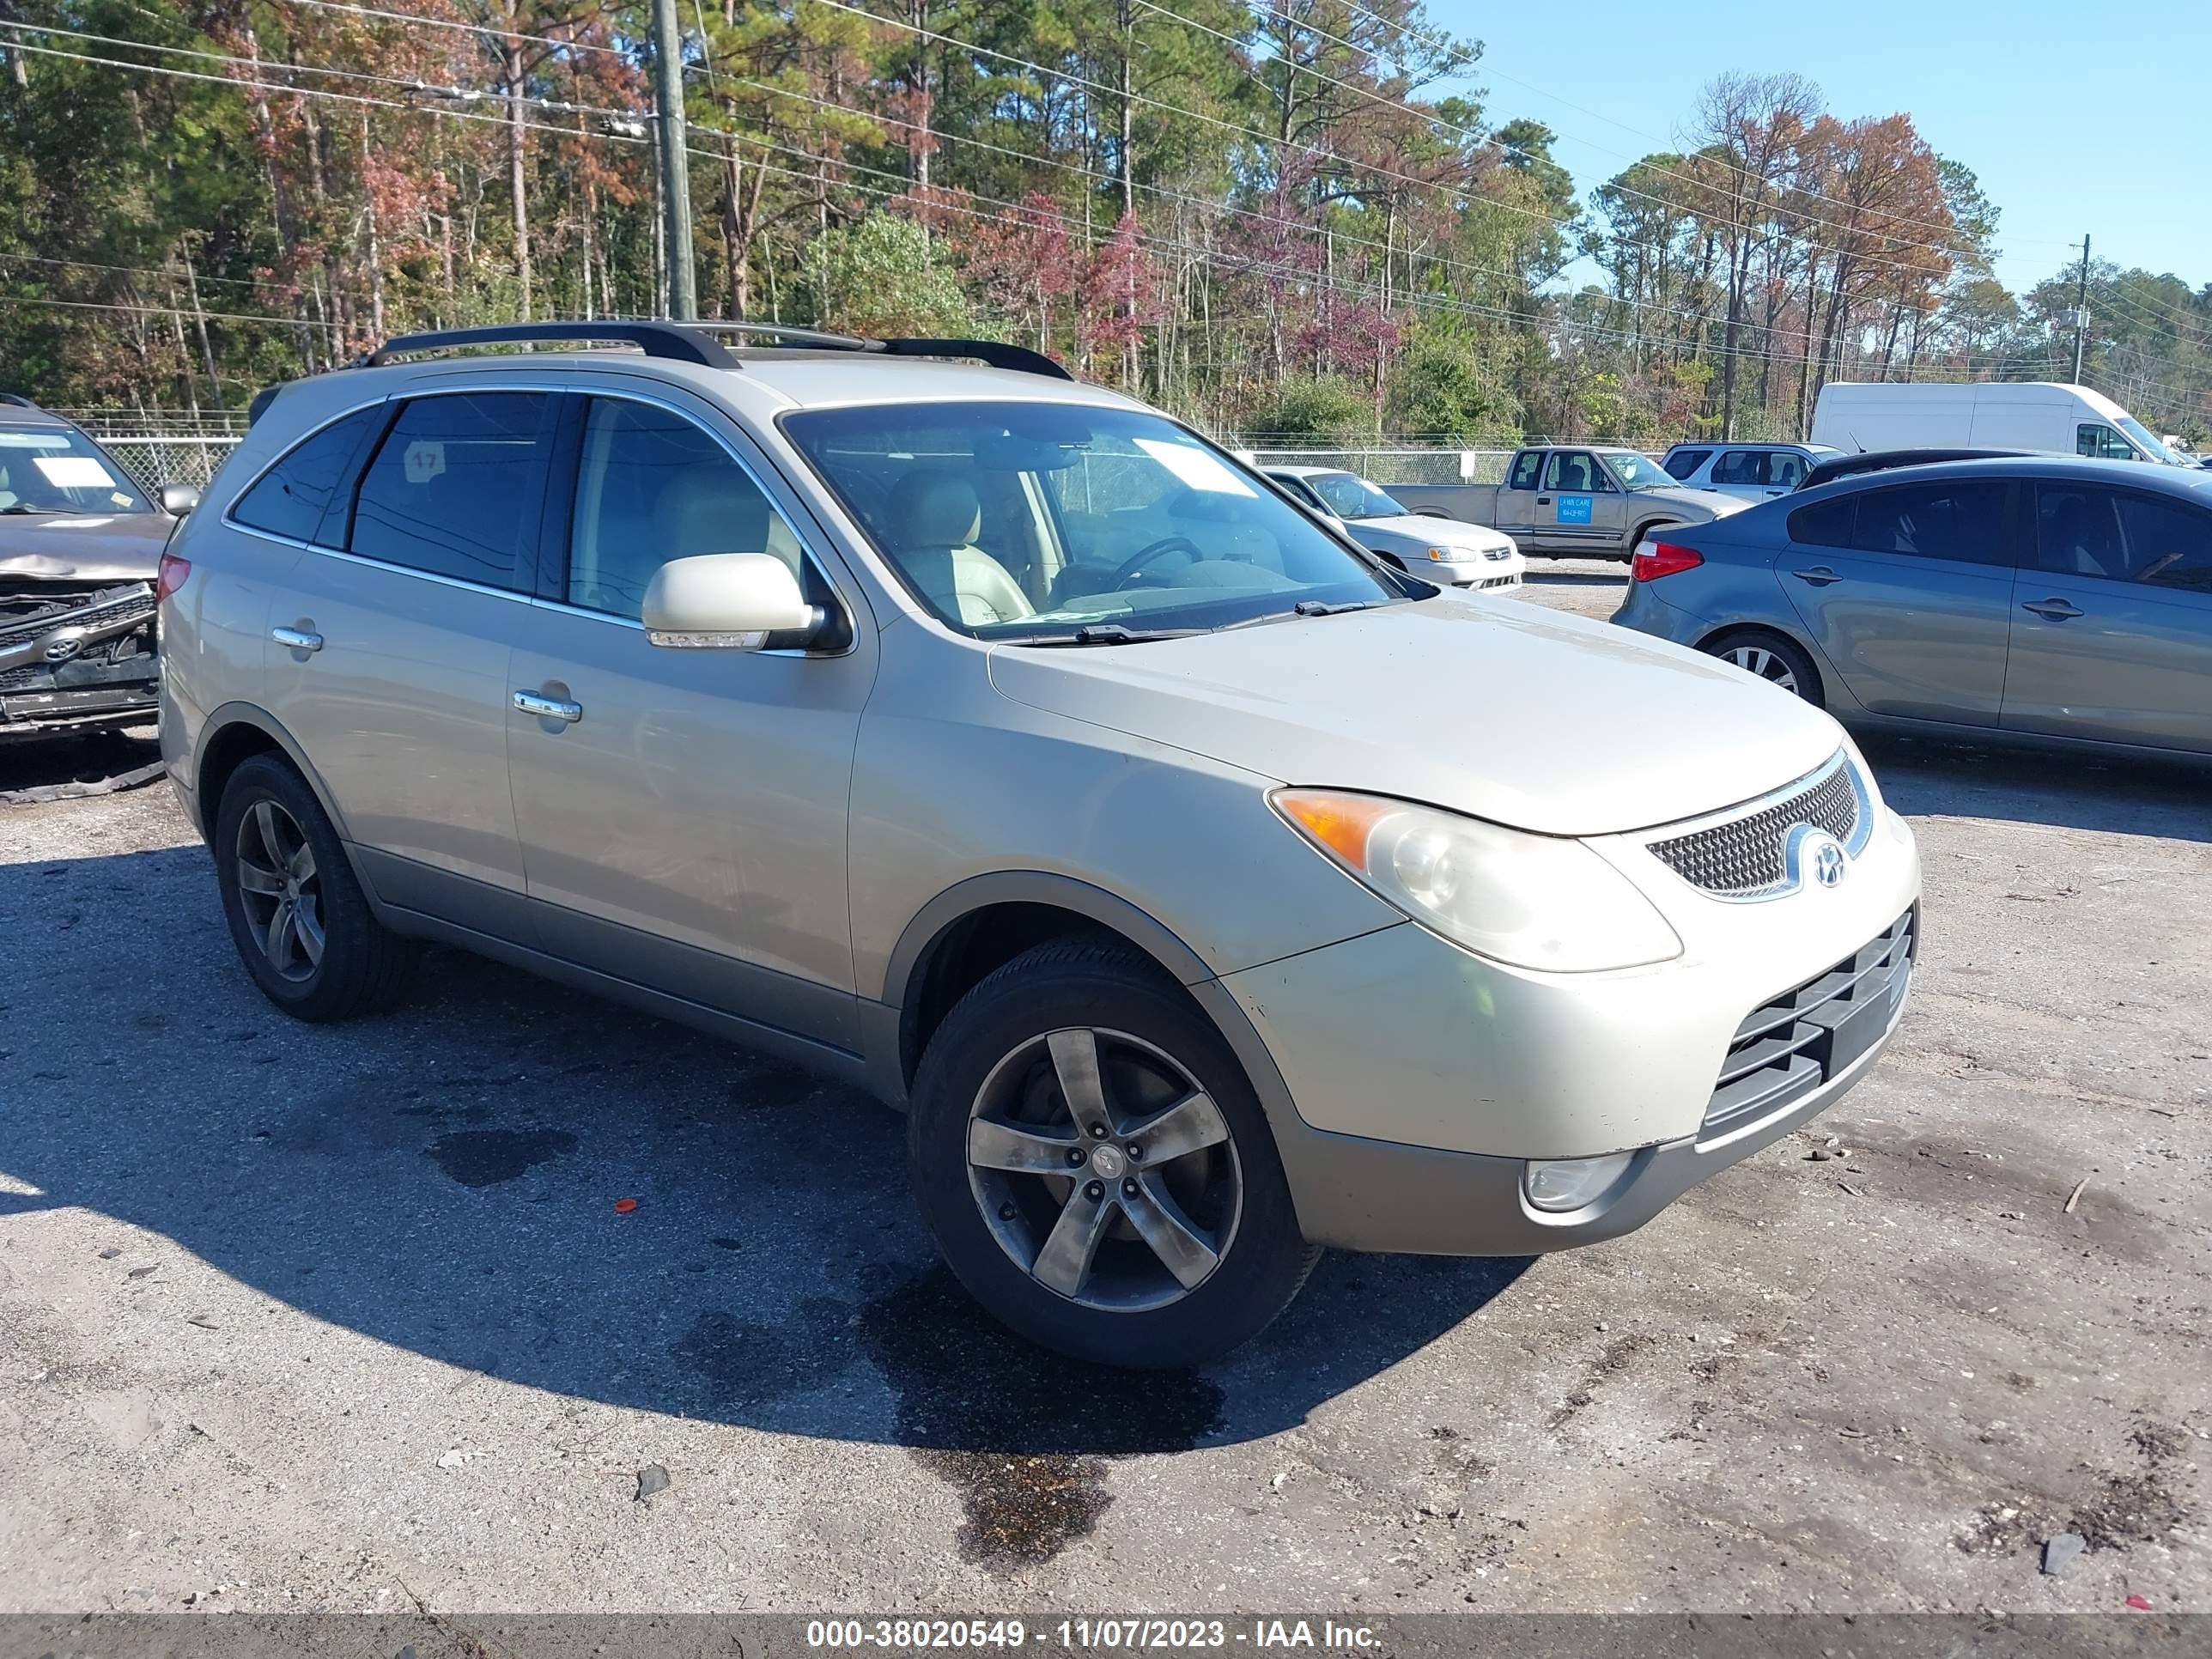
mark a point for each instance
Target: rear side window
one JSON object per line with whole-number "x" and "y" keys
{"x": 290, "y": 498}
{"x": 1682, "y": 463}
{"x": 2169, "y": 546}
{"x": 1963, "y": 522}
{"x": 1825, "y": 523}
{"x": 2118, "y": 535}
{"x": 455, "y": 485}
{"x": 1525, "y": 467}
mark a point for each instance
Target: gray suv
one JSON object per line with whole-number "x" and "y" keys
{"x": 999, "y": 745}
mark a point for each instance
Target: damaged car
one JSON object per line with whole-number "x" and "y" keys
{"x": 80, "y": 551}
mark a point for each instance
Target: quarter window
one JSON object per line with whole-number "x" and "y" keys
{"x": 651, "y": 487}
{"x": 454, "y": 487}
{"x": 291, "y": 497}
{"x": 1826, "y": 524}
{"x": 1963, "y": 522}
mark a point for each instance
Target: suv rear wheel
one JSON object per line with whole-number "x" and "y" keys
{"x": 299, "y": 918}
{"x": 1095, "y": 1167}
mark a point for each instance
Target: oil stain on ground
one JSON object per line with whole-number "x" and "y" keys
{"x": 1026, "y": 1437}
{"x": 484, "y": 1157}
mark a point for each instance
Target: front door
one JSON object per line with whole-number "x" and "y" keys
{"x": 682, "y": 812}
{"x": 388, "y": 660}
{"x": 1580, "y": 509}
{"x": 2111, "y": 624}
{"x": 1907, "y": 591}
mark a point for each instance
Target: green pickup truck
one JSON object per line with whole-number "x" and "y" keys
{"x": 1565, "y": 501}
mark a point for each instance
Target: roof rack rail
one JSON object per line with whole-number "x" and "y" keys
{"x": 17, "y": 399}
{"x": 676, "y": 341}
{"x": 695, "y": 343}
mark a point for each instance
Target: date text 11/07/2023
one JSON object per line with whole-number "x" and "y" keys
{"x": 1262, "y": 1635}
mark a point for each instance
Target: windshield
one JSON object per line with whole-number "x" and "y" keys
{"x": 1637, "y": 472}
{"x": 1350, "y": 496}
{"x": 1038, "y": 521}
{"x": 2151, "y": 447}
{"x": 51, "y": 469}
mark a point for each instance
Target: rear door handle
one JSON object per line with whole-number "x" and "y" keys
{"x": 1819, "y": 575}
{"x": 298, "y": 639}
{"x": 550, "y": 708}
{"x": 2053, "y": 610}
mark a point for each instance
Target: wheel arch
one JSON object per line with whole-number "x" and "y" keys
{"x": 234, "y": 734}
{"x": 979, "y": 924}
{"x": 1718, "y": 639}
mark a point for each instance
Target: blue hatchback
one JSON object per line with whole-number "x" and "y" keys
{"x": 2051, "y": 599}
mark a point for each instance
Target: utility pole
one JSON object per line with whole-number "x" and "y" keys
{"x": 675, "y": 161}
{"x": 2082, "y": 313}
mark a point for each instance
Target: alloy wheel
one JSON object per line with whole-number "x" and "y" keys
{"x": 1764, "y": 663}
{"x": 1104, "y": 1169}
{"x": 280, "y": 890}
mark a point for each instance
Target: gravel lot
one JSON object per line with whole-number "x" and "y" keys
{"x": 346, "y": 1318}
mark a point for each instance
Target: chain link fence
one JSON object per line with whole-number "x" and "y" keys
{"x": 153, "y": 460}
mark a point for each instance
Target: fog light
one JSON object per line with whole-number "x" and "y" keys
{"x": 1568, "y": 1183}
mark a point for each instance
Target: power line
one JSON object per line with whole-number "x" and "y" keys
{"x": 141, "y": 270}
{"x": 166, "y": 310}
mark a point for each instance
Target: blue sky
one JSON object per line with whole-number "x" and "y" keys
{"x": 2076, "y": 117}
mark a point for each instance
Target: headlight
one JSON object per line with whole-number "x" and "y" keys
{"x": 1534, "y": 901}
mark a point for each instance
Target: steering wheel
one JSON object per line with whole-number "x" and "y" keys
{"x": 1147, "y": 554}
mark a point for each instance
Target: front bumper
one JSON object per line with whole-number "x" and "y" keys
{"x": 76, "y": 660}
{"x": 1476, "y": 573}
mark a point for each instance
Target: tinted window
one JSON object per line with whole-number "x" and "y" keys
{"x": 1740, "y": 467}
{"x": 2077, "y": 531}
{"x": 2102, "y": 443}
{"x": 288, "y": 499}
{"x": 1682, "y": 463}
{"x": 452, "y": 487}
{"x": 651, "y": 487}
{"x": 2169, "y": 546}
{"x": 1960, "y": 521}
{"x": 1825, "y": 523}
{"x": 1525, "y": 467}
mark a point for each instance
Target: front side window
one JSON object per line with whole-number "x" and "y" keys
{"x": 452, "y": 491}
{"x": 2077, "y": 531}
{"x": 1575, "y": 472}
{"x": 2169, "y": 545}
{"x": 1682, "y": 463}
{"x": 1350, "y": 496}
{"x": 1034, "y": 521}
{"x": 2101, "y": 443}
{"x": 651, "y": 487}
{"x": 1785, "y": 470}
{"x": 1963, "y": 521}
{"x": 292, "y": 496}
{"x": 51, "y": 469}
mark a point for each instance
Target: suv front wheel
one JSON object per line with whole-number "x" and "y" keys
{"x": 299, "y": 918}
{"x": 1095, "y": 1167}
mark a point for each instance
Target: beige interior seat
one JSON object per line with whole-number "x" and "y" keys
{"x": 935, "y": 518}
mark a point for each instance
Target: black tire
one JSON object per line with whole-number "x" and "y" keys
{"x": 1101, "y": 985}
{"x": 364, "y": 967}
{"x": 1784, "y": 657}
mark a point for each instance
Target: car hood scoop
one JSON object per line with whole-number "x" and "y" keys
{"x": 1494, "y": 707}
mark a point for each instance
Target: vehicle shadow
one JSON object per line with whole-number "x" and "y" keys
{"x": 51, "y": 767}
{"x": 1921, "y": 776}
{"x": 444, "y": 1179}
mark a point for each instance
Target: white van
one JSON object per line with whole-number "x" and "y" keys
{"x": 2039, "y": 416}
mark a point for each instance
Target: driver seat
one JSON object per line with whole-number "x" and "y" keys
{"x": 936, "y": 516}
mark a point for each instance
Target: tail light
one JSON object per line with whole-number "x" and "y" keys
{"x": 171, "y": 576}
{"x": 1656, "y": 559}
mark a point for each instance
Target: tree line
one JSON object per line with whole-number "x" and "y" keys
{"x": 1276, "y": 217}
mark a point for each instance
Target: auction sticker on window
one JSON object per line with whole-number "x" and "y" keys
{"x": 1574, "y": 509}
{"x": 74, "y": 471}
{"x": 1195, "y": 467}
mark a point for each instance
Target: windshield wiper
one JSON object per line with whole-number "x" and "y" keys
{"x": 1323, "y": 608}
{"x": 1107, "y": 634}
{"x": 17, "y": 508}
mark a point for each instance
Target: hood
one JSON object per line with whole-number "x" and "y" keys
{"x": 1419, "y": 528}
{"x": 95, "y": 547}
{"x": 1501, "y": 710}
{"x": 1715, "y": 504}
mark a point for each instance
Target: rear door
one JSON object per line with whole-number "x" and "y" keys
{"x": 2112, "y": 625}
{"x": 1907, "y": 591}
{"x": 389, "y": 650}
{"x": 682, "y": 817}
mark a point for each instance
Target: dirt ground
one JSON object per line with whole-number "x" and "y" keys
{"x": 345, "y": 1318}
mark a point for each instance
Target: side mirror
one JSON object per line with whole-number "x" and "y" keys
{"x": 178, "y": 498}
{"x": 726, "y": 601}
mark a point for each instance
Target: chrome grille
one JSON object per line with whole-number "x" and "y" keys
{"x": 1785, "y": 1048}
{"x": 1746, "y": 856}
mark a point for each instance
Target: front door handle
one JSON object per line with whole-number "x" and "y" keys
{"x": 548, "y": 708}
{"x": 298, "y": 639}
{"x": 1819, "y": 575}
{"x": 2052, "y": 610}
{"x": 1543, "y": 500}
